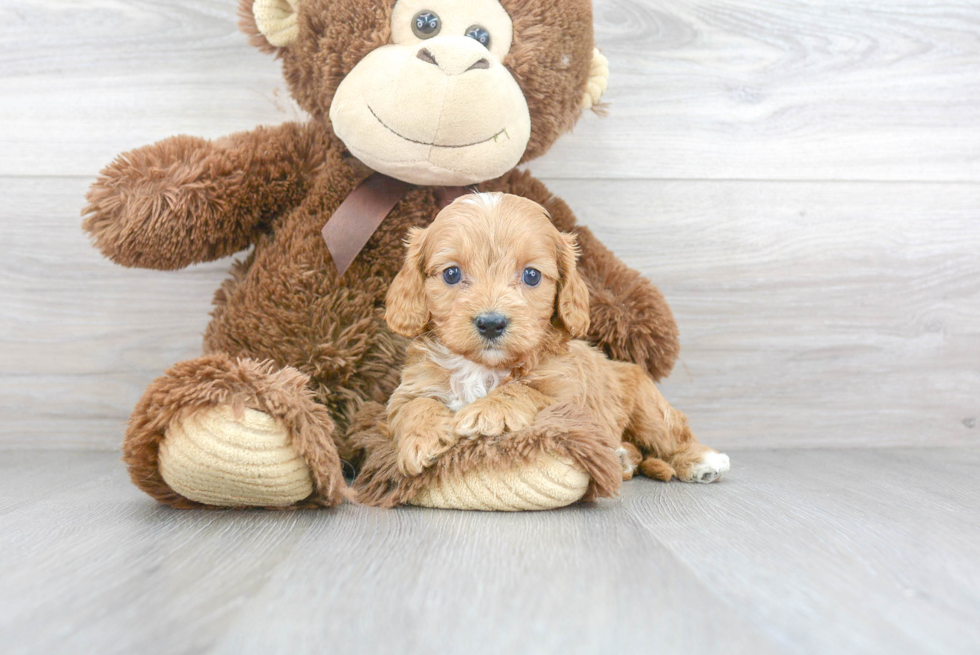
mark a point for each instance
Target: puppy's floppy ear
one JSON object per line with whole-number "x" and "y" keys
{"x": 405, "y": 309}
{"x": 572, "y": 303}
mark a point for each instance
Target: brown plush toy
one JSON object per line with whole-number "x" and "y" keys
{"x": 408, "y": 99}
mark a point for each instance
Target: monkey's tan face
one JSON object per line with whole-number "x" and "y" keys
{"x": 436, "y": 106}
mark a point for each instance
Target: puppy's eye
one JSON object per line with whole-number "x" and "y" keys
{"x": 479, "y": 33}
{"x": 532, "y": 277}
{"x": 452, "y": 275}
{"x": 426, "y": 24}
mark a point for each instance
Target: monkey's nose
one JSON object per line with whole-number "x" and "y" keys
{"x": 491, "y": 325}
{"x": 454, "y": 55}
{"x": 427, "y": 57}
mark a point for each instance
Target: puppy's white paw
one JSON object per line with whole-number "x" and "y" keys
{"x": 627, "y": 462}
{"x": 711, "y": 467}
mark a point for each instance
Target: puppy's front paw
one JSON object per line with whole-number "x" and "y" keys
{"x": 418, "y": 450}
{"x": 491, "y": 419}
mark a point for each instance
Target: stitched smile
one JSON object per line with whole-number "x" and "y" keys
{"x": 494, "y": 137}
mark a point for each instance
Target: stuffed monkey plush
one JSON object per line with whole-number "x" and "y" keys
{"x": 409, "y": 100}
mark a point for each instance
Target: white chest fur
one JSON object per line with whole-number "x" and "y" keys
{"x": 468, "y": 381}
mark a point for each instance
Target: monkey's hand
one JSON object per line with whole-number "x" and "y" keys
{"x": 629, "y": 318}
{"x": 185, "y": 200}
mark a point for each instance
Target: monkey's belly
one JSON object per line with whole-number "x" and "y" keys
{"x": 334, "y": 334}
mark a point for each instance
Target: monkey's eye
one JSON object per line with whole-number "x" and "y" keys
{"x": 532, "y": 277}
{"x": 452, "y": 275}
{"x": 426, "y": 24}
{"x": 479, "y": 33}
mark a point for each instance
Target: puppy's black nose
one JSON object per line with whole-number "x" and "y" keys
{"x": 490, "y": 326}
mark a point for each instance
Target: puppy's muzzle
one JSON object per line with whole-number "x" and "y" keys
{"x": 491, "y": 325}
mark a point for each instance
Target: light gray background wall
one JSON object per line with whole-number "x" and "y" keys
{"x": 800, "y": 178}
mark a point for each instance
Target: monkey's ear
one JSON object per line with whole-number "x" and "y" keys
{"x": 405, "y": 309}
{"x": 270, "y": 24}
{"x": 597, "y": 82}
{"x": 572, "y": 303}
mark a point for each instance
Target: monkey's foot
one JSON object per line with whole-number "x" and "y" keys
{"x": 223, "y": 433}
{"x": 547, "y": 481}
{"x": 216, "y": 458}
{"x": 560, "y": 459}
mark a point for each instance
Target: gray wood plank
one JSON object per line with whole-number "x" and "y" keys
{"x": 28, "y": 477}
{"x": 810, "y": 313}
{"x": 110, "y": 76}
{"x": 836, "y": 551}
{"x": 741, "y": 89}
{"x": 824, "y": 551}
{"x": 802, "y": 90}
{"x": 106, "y": 570}
{"x": 103, "y": 569}
{"x": 80, "y": 338}
{"x": 576, "y": 581}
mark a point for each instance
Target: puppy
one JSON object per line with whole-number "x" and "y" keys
{"x": 491, "y": 294}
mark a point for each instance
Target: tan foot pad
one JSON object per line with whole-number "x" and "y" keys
{"x": 214, "y": 458}
{"x": 548, "y": 482}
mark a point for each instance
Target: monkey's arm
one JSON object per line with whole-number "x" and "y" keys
{"x": 629, "y": 317}
{"x": 186, "y": 200}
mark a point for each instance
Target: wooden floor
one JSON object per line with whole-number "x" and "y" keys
{"x": 796, "y": 551}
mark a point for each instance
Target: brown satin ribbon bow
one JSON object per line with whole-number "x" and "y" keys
{"x": 362, "y": 212}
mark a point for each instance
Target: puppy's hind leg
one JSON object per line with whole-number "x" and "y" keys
{"x": 699, "y": 464}
{"x": 665, "y": 439}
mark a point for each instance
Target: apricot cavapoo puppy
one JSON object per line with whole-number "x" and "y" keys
{"x": 491, "y": 292}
